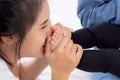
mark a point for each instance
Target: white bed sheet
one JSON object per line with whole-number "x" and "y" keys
{"x": 75, "y": 75}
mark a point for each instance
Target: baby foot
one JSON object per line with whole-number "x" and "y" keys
{"x": 56, "y": 37}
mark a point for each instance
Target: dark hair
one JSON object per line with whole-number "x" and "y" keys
{"x": 17, "y": 16}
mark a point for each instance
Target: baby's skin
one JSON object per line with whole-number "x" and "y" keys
{"x": 57, "y": 35}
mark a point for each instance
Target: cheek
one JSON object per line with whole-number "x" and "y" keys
{"x": 33, "y": 46}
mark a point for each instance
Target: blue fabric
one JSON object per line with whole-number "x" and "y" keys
{"x": 92, "y": 12}
{"x": 104, "y": 76}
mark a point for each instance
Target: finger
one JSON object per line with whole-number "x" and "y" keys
{"x": 69, "y": 47}
{"x": 68, "y": 32}
{"x": 62, "y": 43}
{"x": 48, "y": 47}
{"x": 65, "y": 29}
{"x": 60, "y": 25}
{"x": 59, "y": 29}
{"x": 79, "y": 52}
{"x": 73, "y": 50}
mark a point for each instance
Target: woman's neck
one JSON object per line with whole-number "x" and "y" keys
{"x": 8, "y": 53}
{"x": 15, "y": 69}
{"x": 10, "y": 59}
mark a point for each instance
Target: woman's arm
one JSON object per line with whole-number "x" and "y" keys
{"x": 30, "y": 70}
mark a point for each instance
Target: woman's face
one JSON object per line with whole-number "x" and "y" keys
{"x": 34, "y": 41}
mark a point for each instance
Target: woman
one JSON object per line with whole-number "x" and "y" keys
{"x": 25, "y": 31}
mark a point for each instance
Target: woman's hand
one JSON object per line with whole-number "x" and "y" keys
{"x": 64, "y": 58}
{"x": 67, "y": 31}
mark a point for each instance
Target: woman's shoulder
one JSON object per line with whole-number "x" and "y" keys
{"x": 5, "y": 73}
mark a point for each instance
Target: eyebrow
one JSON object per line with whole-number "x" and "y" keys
{"x": 45, "y": 22}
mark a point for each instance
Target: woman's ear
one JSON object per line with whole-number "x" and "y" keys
{"x": 10, "y": 40}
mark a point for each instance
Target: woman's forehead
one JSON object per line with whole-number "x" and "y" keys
{"x": 44, "y": 14}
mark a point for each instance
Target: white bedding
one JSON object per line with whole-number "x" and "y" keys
{"x": 75, "y": 75}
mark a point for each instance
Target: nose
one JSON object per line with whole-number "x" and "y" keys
{"x": 49, "y": 31}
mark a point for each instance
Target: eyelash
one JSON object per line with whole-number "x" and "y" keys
{"x": 43, "y": 27}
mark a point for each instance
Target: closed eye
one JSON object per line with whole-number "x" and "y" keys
{"x": 43, "y": 27}
{"x": 44, "y": 24}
